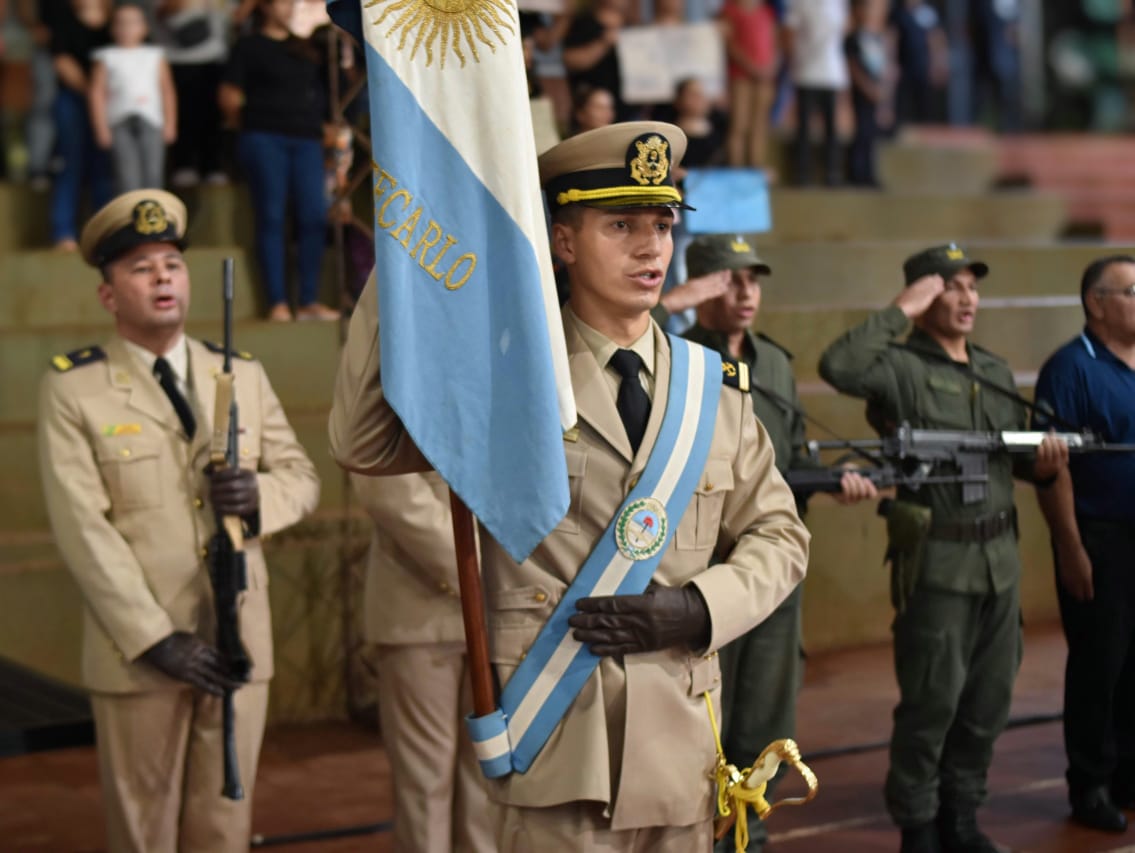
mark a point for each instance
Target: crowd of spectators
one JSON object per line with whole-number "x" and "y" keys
{"x": 858, "y": 69}
{"x": 228, "y": 89}
{"x": 236, "y": 88}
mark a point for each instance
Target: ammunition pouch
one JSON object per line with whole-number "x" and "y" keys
{"x": 908, "y": 526}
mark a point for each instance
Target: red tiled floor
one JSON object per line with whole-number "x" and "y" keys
{"x": 327, "y": 777}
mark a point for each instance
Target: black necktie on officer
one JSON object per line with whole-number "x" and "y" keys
{"x": 168, "y": 381}
{"x": 633, "y": 402}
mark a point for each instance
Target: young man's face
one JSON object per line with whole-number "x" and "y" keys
{"x": 735, "y": 310}
{"x": 617, "y": 259}
{"x": 147, "y": 289}
{"x": 953, "y": 313}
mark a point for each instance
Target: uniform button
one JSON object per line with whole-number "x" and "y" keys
{"x": 124, "y": 452}
{"x": 716, "y": 679}
{"x": 197, "y": 502}
{"x": 204, "y": 553}
{"x": 523, "y": 655}
{"x": 244, "y": 451}
{"x": 634, "y": 482}
{"x": 443, "y": 586}
{"x": 541, "y": 597}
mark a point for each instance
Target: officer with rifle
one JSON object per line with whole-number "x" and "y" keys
{"x": 953, "y": 550}
{"x": 761, "y": 670}
{"x": 136, "y": 489}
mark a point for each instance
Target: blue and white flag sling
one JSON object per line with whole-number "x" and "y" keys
{"x": 556, "y": 667}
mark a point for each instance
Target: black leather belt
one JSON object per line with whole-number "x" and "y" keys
{"x": 980, "y": 529}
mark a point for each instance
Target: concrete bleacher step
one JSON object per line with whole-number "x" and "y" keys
{"x": 817, "y": 216}
{"x": 300, "y": 358}
{"x": 1023, "y": 336}
{"x": 870, "y": 273}
{"x": 46, "y": 288}
{"x": 966, "y": 167}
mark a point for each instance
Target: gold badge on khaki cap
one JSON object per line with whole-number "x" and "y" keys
{"x": 131, "y": 219}
{"x": 629, "y": 164}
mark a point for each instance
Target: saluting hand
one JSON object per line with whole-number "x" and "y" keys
{"x": 661, "y": 617}
{"x": 918, "y": 296}
{"x": 233, "y": 491}
{"x": 185, "y": 657}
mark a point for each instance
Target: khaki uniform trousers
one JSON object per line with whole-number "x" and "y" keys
{"x": 440, "y": 799}
{"x": 161, "y": 769}
{"x": 582, "y": 826}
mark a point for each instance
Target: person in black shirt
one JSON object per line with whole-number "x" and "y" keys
{"x": 589, "y": 52}
{"x": 273, "y": 89}
{"x": 80, "y": 28}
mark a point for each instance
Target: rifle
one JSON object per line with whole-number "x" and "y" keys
{"x": 227, "y": 569}
{"x": 910, "y": 457}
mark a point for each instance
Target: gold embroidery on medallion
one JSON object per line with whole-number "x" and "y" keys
{"x": 652, "y": 164}
{"x": 447, "y": 25}
{"x": 150, "y": 218}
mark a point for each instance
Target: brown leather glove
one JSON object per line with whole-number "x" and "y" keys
{"x": 660, "y": 618}
{"x": 184, "y": 657}
{"x": 234, "y": 491}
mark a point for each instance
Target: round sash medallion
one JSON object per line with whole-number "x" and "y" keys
{"x": 640, "y": 531}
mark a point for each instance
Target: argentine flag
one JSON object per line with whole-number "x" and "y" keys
{"x": 473, "y": 355}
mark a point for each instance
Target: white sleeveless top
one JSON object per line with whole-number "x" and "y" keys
{"x": 133, "y": 82}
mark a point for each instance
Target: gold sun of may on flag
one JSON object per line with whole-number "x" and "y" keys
{"x": 446, "y": 25}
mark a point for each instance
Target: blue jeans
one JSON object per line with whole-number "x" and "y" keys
{"x": 84, "y": 163}
{"x": 278, "y": 167}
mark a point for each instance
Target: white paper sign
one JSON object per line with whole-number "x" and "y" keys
{"x": 654, "y": 59}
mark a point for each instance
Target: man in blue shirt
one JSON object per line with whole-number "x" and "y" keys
{"x": 1090, "y": 383}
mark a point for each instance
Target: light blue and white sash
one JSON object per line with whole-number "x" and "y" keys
{"x": 557, "y": 666}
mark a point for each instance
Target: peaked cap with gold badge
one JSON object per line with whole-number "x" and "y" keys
{"x": 629, "y": 164}
{"x": 132, "y": 219}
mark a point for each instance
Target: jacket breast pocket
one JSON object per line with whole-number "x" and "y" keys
{"x": 132, "y": 474}
{"x": 576, "y": 467}
{"x": 701, "y": 523}
{"x": 946, "y": 403}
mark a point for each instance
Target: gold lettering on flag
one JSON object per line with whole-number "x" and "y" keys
{"x": 392, "y": 202}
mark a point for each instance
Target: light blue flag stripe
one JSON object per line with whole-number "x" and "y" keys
{"x": 466, "y": 355}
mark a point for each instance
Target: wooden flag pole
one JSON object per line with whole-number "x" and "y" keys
{"x": 472, "y": 607}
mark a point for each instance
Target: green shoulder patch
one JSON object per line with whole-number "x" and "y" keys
{"x": 735, "y": 374}
{"x": 77, "y": 358}
{"x": 219, "y": 349}
{"x": 780, "y": 347}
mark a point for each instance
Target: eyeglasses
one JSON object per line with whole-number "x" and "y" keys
{"x": 1128, "y": 291}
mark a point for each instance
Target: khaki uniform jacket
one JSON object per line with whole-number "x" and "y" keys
{"x": 128, "y": 502}
{"x": 411, "y": 592}
{"x": 637, "y": 737}
{"x": 914, "y": 382}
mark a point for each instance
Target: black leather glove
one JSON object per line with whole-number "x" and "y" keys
{"x": 234, "y": 491}
{"x": 184, "y": 657}
{"x": 660, "y": 618}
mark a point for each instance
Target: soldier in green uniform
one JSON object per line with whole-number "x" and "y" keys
{"x": 955, "y": 567}
{"x": 761, "y": 670}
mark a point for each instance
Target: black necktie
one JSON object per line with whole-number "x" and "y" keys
{"x": 166, "y": 379}
{"x": 633, "y": 402}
